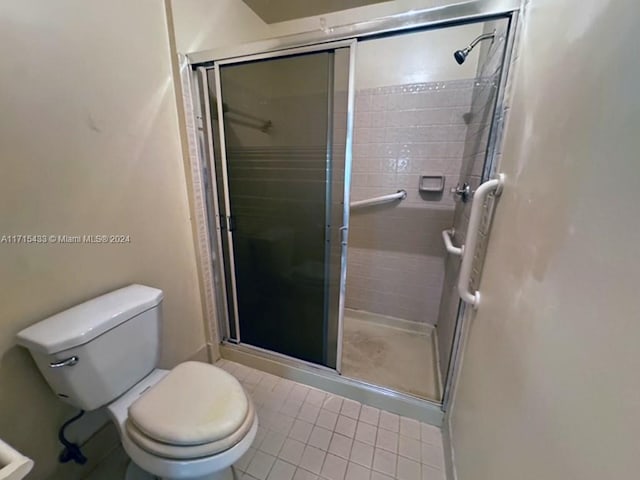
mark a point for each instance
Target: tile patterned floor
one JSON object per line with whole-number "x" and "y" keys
{"x": 308, "y": 434}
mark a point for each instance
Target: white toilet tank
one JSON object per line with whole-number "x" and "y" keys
{"x": 94, "y": 352}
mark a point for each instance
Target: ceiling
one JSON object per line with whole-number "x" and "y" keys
{"x": 272, "y": 11}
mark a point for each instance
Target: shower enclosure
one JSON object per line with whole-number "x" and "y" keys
{"x": 339, "y": 179}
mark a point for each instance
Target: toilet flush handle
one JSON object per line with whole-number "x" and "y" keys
{"x": 67, "y": 362}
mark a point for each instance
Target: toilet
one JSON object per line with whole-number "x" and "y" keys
{"x": 192, "y": 422}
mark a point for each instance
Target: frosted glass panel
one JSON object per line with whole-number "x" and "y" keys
{"x": 282, "y": 128}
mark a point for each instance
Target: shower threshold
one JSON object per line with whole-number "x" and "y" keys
{"x": 424, "y": 410}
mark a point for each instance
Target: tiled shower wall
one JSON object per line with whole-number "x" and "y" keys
{"x": 396, "y": 256}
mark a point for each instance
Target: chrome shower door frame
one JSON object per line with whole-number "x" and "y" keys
{"x": 223, "y": 174}
{"x": 489, "y": 170}
{"x": 208, "y": 167}
{"x": 437, "y": 17}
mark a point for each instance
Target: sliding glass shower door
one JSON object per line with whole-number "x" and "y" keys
{"x": 280, "y": 167}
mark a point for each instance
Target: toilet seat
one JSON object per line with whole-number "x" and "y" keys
{"x": 168, "y": 467}
{"x": 196, "y": 410}
{"x": 186, "y": 452}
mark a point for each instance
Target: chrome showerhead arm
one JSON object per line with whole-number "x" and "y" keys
{"x": 484, "y": 36}
{"x": 461, "y": 55}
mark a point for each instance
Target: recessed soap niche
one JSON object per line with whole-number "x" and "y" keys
{"x": 431, "y": 183}
{"x": 431, "y": 187}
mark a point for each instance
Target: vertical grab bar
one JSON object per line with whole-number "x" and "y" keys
{"x": 469, "y": 249}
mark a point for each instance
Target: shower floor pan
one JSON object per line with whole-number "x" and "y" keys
{"x": 391, "y": 353}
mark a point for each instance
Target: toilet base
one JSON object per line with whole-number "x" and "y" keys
{"x": 134, "y": 472}
{"x": 226, "y": 474}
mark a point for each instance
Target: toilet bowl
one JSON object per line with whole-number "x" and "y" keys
{"x": 192, "y": 422}
{"x": 197, "y": 465}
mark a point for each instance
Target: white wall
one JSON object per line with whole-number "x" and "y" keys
{"x": 208, "y": 24}
{"x": 550, "y": 386}
{"x": 416, "y": 57}
{"x": 88, "y": 144}
{"x": 204, "y": 24}
{"x": 353, "y": 15}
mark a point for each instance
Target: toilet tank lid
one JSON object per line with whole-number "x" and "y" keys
{"x": 86, "y": 321}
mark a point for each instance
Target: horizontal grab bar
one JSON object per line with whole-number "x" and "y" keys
{"x": 262, "y": 124}
{"x": 473, "y": 227}
{"x": 400, "y": 195}
{"x": 448, "y": 244}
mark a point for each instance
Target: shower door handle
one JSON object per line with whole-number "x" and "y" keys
{"x": 344, "y": 230}
{"x": 469, "y": 248}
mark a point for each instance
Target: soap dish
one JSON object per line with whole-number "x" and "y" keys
{"x": 431, "y": 183}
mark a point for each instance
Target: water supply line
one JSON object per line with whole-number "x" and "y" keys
{"x": 71, "y": 450}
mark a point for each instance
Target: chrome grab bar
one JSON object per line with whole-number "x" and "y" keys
{"x": 469, "y": 247}
{"x": 448, "y": 244}
{"x": 400, "y": 195}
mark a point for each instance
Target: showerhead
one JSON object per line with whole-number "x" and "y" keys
{"x": 461, "y": 55}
